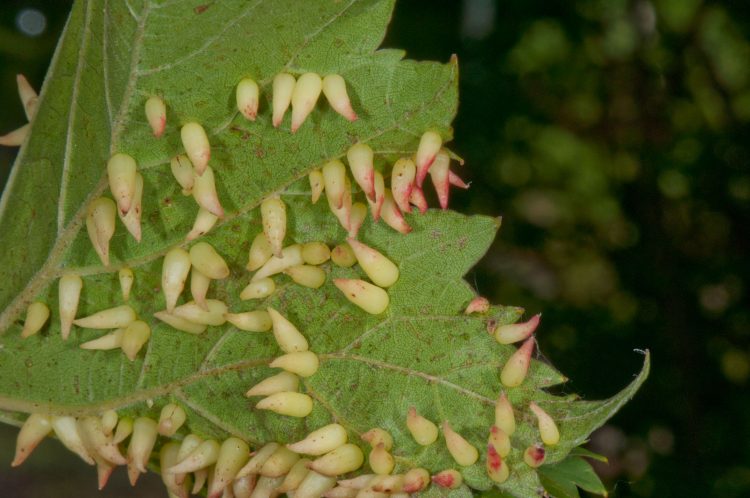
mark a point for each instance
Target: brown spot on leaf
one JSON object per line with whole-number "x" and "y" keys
{"x": 200, "y": 9}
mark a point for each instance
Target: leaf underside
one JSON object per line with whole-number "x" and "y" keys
{"x": 422, "y": 351}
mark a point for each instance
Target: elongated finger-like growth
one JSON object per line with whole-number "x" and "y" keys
{"x": 302, "y": 363}
{"x": 287, "y": 403}
{"x": 315, "y": 253}
{"x": 296, "y": 475}
{"x": 279, "y": 463}
{"x": 381, "y": 462}
{"x": 508, "y": 334}
{"x": 307, "y": 275}
{"x": 449, "y": 478}
{"x": 111, "y": 318}
{"x": 417, "y": 199}
{"x": 134, "y": 337}
{"x": 112, "y": 340}
{"x": 16, "y": 137}
{"x": 204, "y": 192}
{"x": 314, "y": 485}
{"x": 415, "y": 480}
{"x": 356, "y": 218}
{"x": 381, "y": 270}
{"x": 343, "y": 213}
{"x": 266, "y": 487}
{"x": 499, "y": 440}
{"x": 69, "y": 292}
{"x": 247, "y": 98}
{"x": 547, "y": 428}
{"x": 334, "y": 179}
{"x": 460, "y": 449}
{"x": 342, "y": 255}
{"x": 183, "y": 172}
{"x": 422, "y": 430}
{"x": 456, "y": 181}
{"x": 497, "y": 469}
{"x": 33, "y": 431}
{"x": 260, "y": 252}
{"x": 171, "y": 418}
{"x": 243, "y": 487}
{"x": 132, "y": 219}
{"x": 378, "y": 436}
{"x": 360, "y": 158}
{"x": 100, "y": 224}
{"x": 156, "y": 115}
{"x": 258, "y": 289}
{"x": 439, "y": 172}
{"x": 392, "y": 216}
{"x": 429, "y": 146}
{"x": 273, "y": 213}
{"x": 376, "y": 204}
{"x": 142, "y": 442}
{"x": 109, "y": 421}
{"x": 316, "y": 184}
{"x": 321, "y": 441}
{"x": 534, "y": 455}
{"x": 515, "y": 370}
{"x": 477, "y": 305}
{"x": 233, "y": 454}
{"x": 121, "y": 170}
{"x": 284, "y": 381}
{"x": 196, "y": 144}
{"x": 334, "y": 88}
{"x": 504, "y": 417}
{"x": 27, "y": 94}
{"x": 124, "y": 430}
{"x": 189, "y": 444}
{"x": 213, "y": 314}
{"x": 251, "y": 321}
{"x": 199, "y": 284}
{"x": 258, "y": 459}
{"x": 174, "y": 273}
{"x": 37, "y": 315}
{"x": 305, "y": 95}
{"x": 402, "y": 182}
{"x": 180, "y": 323}
{"x": 361, "y": 481}
{"x": 370, "y": 298}
{"x": 290, "y": 256}
{"x": 205, "y": 258}
{"x": 283, "y": 88}
{"x": 290, "y": 339}
{"x": 66, "y": 431}
{"x": 205, "y": 454}
{"x": 204, "y": 221}
{"x": 126, "y": 278}
{"x": 168, "y": 457}
{"x": 346, "y": 458}
{"x": 93, "y": 436}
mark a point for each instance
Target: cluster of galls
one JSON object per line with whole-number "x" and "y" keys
{"x": 229, "y": 468}
{"x": 97, "y": 439}
{"x": 308, "y": 468}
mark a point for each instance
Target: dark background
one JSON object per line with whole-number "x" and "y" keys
{"x": 612, "y": 136}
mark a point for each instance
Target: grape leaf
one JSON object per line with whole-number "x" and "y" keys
{"x": 422, "y": 351}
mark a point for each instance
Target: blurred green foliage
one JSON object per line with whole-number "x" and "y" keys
{"x": 613, "y": 137}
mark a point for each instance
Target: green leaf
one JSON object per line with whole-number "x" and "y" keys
{"x": 561, "y": 479}
{"x": 583, "y": 452}
{"x": 423, "y": 351}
